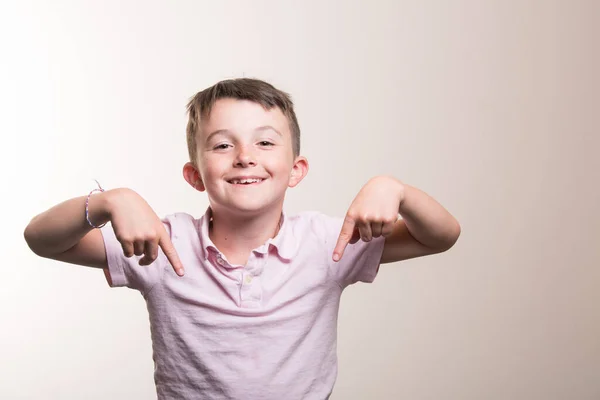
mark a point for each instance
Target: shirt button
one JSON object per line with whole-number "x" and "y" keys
{"x": 220, "y": 261}
{"x": 248, "y": 278}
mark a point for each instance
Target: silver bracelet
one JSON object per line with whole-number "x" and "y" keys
{"x": 87, "y": 201}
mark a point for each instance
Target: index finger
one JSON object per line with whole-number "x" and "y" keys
{"x": 344, "y": 238}
{"x": 167, "y": 247}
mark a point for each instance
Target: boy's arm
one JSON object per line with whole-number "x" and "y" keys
{"x": 426, "y": 228}
{"x": 62, "y": 232}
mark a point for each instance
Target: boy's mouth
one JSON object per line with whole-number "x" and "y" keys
{"x": 245, "y": 181}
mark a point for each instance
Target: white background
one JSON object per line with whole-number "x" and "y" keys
{"x": 489, "y": 106}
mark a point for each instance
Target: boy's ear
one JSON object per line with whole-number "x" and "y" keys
{"x": 299, "y": 171}
{"x": 192, "y": 176}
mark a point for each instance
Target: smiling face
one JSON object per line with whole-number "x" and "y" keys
{"x": 245, "y": 158}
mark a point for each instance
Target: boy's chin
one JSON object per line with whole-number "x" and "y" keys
{"x": 249, "y": 209}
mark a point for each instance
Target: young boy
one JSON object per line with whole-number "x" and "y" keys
{"x": 243, "y": 302}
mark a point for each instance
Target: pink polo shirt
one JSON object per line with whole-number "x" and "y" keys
{"x": 266, "y": 330}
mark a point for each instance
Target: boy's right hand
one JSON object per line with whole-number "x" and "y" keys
{"x": 138, "y": 228}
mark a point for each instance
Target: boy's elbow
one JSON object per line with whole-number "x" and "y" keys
{"x": 28, "y": 236}
{"x": 450, "y": 238}
{"x": 30, "y": 239}
{"x": 453, "y": 235}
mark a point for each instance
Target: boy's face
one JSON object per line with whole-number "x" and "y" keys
{"x": 245, "y": 158}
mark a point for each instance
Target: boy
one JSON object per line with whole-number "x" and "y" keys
{"x": 254, "y": 313}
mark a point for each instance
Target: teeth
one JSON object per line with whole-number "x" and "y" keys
{"x": 242, "y": 181}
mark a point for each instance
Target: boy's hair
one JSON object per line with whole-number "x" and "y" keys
{"x": 254, "y": 90}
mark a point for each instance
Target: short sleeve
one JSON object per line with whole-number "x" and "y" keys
{"x": 361, "y": 260}
{"x": 126, "y": 272}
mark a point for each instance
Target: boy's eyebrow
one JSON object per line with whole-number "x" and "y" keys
{"x": 260, "y": 128}
{"x": 266, "y": 128}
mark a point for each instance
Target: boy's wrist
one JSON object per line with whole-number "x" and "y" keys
{"x": 99, "y": 207}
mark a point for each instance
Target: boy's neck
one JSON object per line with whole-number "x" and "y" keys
{"x": 236, "y": 237}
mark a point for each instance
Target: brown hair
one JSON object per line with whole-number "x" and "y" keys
{"x": 254, "y": 90}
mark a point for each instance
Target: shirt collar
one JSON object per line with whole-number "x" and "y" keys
{"x": 285, "y": 243}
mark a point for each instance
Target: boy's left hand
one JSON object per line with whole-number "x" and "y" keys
{"x": 373, "y": 213}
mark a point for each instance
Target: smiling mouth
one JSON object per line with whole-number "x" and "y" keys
{"x": 247, "y": 181}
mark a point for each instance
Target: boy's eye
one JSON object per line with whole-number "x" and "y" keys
{"x": 265, "y": 143}
{"x": 222, "y": 146}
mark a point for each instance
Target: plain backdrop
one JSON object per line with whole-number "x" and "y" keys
{"x": 489, "y": 106}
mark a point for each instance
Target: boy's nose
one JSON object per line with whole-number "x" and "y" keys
{"x": 245, "y": 158}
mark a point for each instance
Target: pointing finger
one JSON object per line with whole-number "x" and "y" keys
{"x": 167, "y": 246}
{"x": 344, "y": 238}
